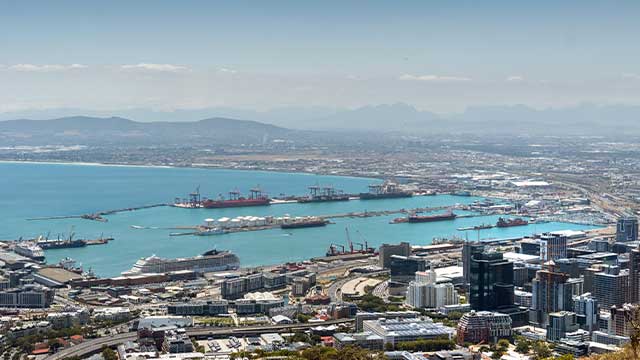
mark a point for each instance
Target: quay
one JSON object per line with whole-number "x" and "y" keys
{"x": 98, "y": 216}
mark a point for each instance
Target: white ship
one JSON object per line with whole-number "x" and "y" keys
{"x": 210, "y": 261}
{"x": 30, "y": 250}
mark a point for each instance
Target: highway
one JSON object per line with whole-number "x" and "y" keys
{"x": 94, "y": 345}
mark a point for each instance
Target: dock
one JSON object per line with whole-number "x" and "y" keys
{"x": 97, "y": 216}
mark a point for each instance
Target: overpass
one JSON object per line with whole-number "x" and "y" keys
{"x": 93, "y": 346}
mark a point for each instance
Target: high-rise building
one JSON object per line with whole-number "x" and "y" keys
{"x": 469, "y": 249}
{"x": 553, "y": 246}
{"x": 404, "y": 268}
{"x": 550, "y": 294}
{"x": 386, "y": 250}
{"x": 491, "y": 282}
{"x": 611, "y": 286}
{"x": 430, "y": 294}
{"x": 634, "y": 276}
{"x": 619, "y": 323}
{"x": 561, "y": 323}
{"x": 587, "y": 310}
{"x": 627, "y": 229}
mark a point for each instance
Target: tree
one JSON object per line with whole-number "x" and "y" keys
{"x": 503, "y": 344}
{"x": 541, "y": 349}
{"x": 523, "y": 346}
{"x": 109, "y": 354}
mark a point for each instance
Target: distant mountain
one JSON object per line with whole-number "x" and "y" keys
{"x": 399, "y": 118}
{"x": 87, "y": 130}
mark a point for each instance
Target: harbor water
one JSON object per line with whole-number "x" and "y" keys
{"x": 29, "y": 190}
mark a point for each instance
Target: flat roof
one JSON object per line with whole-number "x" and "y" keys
{"x": 58, "y": 274}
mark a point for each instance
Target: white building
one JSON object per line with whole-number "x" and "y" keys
{"x": 424, "y": 292}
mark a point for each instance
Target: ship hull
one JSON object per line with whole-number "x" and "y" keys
{"x": 369, "y": 196}
{"x": 340, "y": 198}
{"x": 511, "y": 225}
{"x": 423, "y": 219}
{"x": 303, "y": 225}
{"x": 62, "y": 245}
{"x": 210, "y": 204}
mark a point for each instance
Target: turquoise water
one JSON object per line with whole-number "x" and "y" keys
{"x": 34, "y": 190}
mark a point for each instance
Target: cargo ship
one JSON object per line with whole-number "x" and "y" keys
{"x": 303, "y": 223}
{"x": 256, "y": 198}
{"x": 47, "y": 244}
{"x": 363, "y": 247}
{"x": 414, "y": 218}
{"x": 29, "y": 249}
{"x": 323, "y": 194}
{"x": 503, "y": 223}
{"x": 213, "y": 260}
{"x": 386, "y": 190}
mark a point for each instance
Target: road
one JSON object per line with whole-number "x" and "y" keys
{"x": 94, "y": 345}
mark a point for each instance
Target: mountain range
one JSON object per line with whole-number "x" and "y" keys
{"x": 301, "y": 122}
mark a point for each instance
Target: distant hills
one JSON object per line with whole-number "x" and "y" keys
{"x": 301, "y": 122}
{"x": 86, "y": 130}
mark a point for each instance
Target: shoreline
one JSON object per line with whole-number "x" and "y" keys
{"x": 193, "y": 166}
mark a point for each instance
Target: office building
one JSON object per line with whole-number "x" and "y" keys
{"x": 561, "y": 323}
{"x": 587, "y": 309}
{"x": 200, "y": 308}
{"x": 550, "y": 294}
{"x": 404, "y": 268}
{"x": 627, "y": 229}
{"x": 469, "y": 249}
{"x": 27, "y": 296}
{"x": 387, "y": 250}
{"x": 394, "y": 331}
{"x": 611, "y": 286}
{"x": 619, "y": 322}
{"x": 553, "y": 246}
{"x": 491, "y": 282}
{"x": 361, "y": 317}
{"x": 634, "y": 276}
{"x": 365, "y": 340}
{"x": 483, "y": 327}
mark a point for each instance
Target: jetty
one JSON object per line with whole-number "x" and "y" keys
{"x": 97, "y": 216}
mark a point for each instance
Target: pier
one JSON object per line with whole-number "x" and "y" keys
{"x": 98, "y": 216}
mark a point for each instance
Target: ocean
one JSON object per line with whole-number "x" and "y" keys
{"x": 31, "y": 190}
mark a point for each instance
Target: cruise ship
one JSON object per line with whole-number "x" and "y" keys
{"x": 212, "y": 260}
{"x": 30, "y": 250}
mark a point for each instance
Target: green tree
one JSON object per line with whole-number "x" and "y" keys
{"x": 109, "y": 354}
{"x": 541, "y": 350}
{"x": 503, "y": 344}
{"x": 523, "y": 346}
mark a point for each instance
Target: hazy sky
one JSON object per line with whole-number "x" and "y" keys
{"x": 436, "y": 55}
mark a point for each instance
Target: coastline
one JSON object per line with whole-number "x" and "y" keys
{"x": 193, "y": 166}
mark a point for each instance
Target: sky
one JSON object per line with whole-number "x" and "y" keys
{"x": 442, "y": 56}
